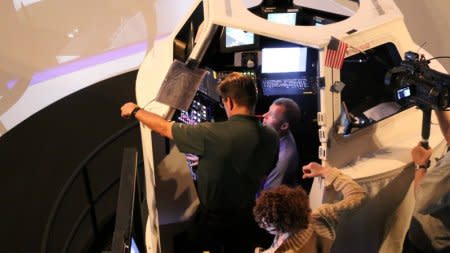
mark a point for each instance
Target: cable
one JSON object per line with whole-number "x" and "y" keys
{"x": 421, "y": 46}
{"x": 149, "y": 102}
{"x": 439, "y": 57}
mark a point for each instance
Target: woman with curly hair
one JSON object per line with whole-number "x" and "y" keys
{"x": 285, "y": 213}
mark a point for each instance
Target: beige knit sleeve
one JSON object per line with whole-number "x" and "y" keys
{"x": 327, "y": 216}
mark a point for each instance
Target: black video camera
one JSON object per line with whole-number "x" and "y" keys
{"x": 415, "y": 83}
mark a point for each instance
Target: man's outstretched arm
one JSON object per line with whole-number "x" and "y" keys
{"x": 151, "y": 120}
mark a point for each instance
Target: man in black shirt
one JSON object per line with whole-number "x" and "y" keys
{"x": 234, "y": 158}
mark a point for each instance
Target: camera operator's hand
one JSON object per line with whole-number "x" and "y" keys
{"x": 313, "y": 170}
{"x": 420, "y": 155}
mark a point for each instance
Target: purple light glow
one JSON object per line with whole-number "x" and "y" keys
{"x": 88, "y": 62}
{"x": 10, "y": 84}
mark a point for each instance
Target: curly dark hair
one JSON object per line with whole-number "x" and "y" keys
{"x": 285, "y": 209}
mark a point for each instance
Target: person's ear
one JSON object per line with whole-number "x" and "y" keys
{"x": 231, "y": 103}
{"x": 284, "y": 126}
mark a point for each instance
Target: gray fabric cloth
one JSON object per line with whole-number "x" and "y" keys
{"x": 430, "y": 227}
{"x": 234, "y": 157}
{"x": 287, "y": 170}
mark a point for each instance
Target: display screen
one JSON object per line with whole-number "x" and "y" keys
{"x": 403, "y": 93}
{"x": 319, "y": 21}
{"x": 283, "y": 18}
{"x": 284, "y": 60}
{"x": 237, "y": 37}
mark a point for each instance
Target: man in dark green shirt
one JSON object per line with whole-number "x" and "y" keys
{"x": 234, "y": 158}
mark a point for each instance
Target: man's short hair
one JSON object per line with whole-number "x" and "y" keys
{"x": 292, "y": 112}
{"x": 284, "y": 208}
{"x": 239, "y": 87}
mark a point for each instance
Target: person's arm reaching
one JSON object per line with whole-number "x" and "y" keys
{"x": 431, "y": 185}
{"x": 421, "y": 158}
{"x": 353, "y": 194}
{"x": 151, "y": 120}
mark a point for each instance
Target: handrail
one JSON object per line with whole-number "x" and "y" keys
{"x": 85, "y": 211}
{"x": 83, "y": 214}
{"x": 74, "y": 175}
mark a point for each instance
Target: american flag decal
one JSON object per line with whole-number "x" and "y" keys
{"x": 334, "y": 57}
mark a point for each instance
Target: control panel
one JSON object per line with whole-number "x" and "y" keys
{"x": 198, "y": 112}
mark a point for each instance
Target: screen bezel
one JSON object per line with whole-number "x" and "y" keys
{"x": 309, "y": 75}
{"x": 225, "y": 49}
